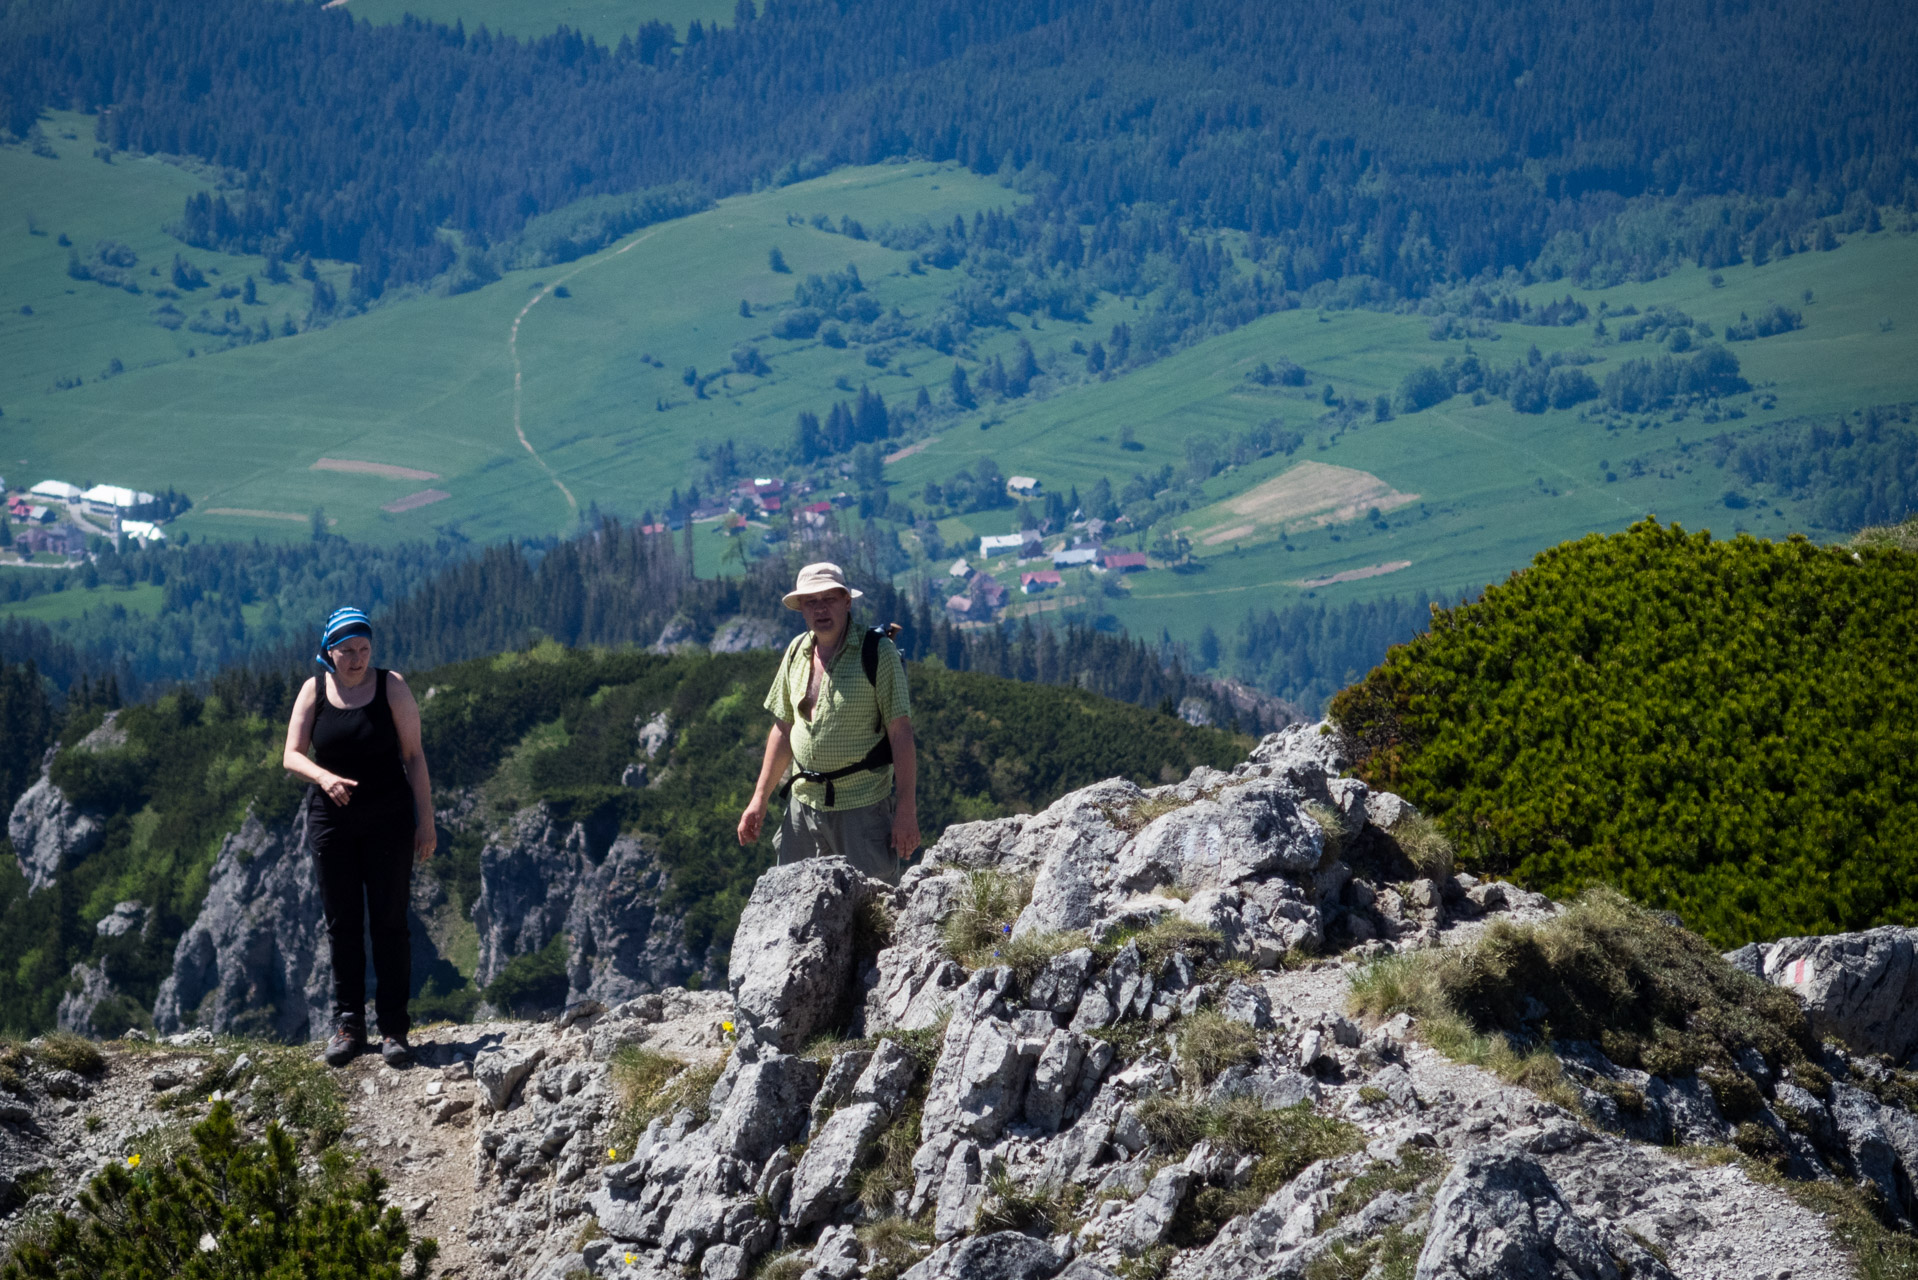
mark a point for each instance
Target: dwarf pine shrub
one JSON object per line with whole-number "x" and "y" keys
{"x": 227, "y": 1210}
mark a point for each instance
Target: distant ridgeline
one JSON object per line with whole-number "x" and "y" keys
{"x": 1409, "y": 144}
{"x": 546, "y": 726}
{"x": 1725, "y": 729}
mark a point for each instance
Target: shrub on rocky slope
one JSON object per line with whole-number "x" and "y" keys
{"x": 1724, "y": 729}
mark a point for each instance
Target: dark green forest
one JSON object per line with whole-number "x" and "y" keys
{"x": 544, "y": 725}
{"x": 1726, "y": 729}
{"x": 1498, "y": 130}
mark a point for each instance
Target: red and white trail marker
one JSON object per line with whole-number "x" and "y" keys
{"x": 1798, "y": 973}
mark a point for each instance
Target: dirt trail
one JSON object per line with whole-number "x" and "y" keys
{"x": 512, "y": 346}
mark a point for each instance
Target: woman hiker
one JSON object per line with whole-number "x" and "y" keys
{"x": 369, "y": 811}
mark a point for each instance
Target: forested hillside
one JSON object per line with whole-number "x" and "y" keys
{"x": 1722, "y": 728}
{"x": 548, "y": 725}
{"x": 1495, "y": 129}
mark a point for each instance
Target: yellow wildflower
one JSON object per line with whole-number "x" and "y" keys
{"x": 133, "y": 1161}
{"x": 612, "y": 1153}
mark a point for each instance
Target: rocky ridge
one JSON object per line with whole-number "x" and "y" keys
{"x": 1041, "y": 1105}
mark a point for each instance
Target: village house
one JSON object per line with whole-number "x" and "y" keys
{"x": 960, "y": 569}
{"x": 142, "y": 531}
{"x": 1023, "y": 487}
{"x": 993, "y": 544}
{"x": 1123, "y": 561}
{"x": 115, "y": 500}
{"x": 1032, "y": 584}
{"x": 1079, "y": 556}
{"x": 988, "y": 591}
{"x": 56, "y": 491}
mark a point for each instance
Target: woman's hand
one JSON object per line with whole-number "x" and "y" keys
{"x": 339, "y": 790}
{"x": 426, "y": 838}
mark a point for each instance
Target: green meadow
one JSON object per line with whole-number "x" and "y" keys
{"x": 423, "y": 388}
{"x": 604, "y": 20}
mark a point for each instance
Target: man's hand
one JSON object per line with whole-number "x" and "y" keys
{"x": 751, "y": 820}
{"x": 426, "y": 839}
{"x": 905, "y": 831}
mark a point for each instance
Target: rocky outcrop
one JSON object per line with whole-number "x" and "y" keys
{"x": 1086, "y": 1104}
{"x": 49, "y": 833}
{"x": 255, "y": 960}
{"x": 792, "y": 957}
{"x": 542, "y": 878}
{"x": 740, "y": 635}
{"x": 1861, "y": 988}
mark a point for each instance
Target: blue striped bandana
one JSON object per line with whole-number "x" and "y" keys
{"x": 344, "y": 624}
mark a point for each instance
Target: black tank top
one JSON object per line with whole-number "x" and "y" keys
{"x": 361, "y": 743}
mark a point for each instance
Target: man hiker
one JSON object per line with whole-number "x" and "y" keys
{"x": 842, "y": 720}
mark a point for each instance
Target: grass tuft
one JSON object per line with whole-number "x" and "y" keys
{"x": 652, "y": 1085}
{"x": 1425, "y": 847}
{"x": 893, "y": 1244}
{"x": 1648, "y": 992}
{"x": 68, "y": 1052}
{"x": 1210, "y": 1042}
{"x": 1284, "y": 1141}
{"x": 1157, "y": 942}
{"x": 982, "y": 922}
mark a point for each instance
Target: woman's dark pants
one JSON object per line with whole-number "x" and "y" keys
{"x": 365, "y": 882}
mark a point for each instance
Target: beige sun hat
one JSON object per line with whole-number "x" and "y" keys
{"x": 815, "y": 578}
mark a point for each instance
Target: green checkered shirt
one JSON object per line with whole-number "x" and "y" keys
{"x": 848, "y": 721}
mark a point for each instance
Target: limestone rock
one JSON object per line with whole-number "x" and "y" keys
{"x": 1498, "y": 1214}
{"x": 1245, "y": 831}
{"x": 791, "y": 971}
{"x": 50, "y": 833}
{"x": 978, "y": 1086}
{"x": 1003, "y": 1255}
{"x": 740, "y": 635}
{"x": 501, "y": 1071}
{"x": 1079, "y": 844}
{"x": 255, "y": 960}
{"x": 1859, "y": 987}
{"x": 597, "y": 887}
{"x": 823, "y": 1180}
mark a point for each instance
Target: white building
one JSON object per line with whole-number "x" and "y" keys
{"x": 142, "y": 531}
{"x": 960, "y": 569}
{"x": 1023, "y": 487}
{"x": 57, "y": 490}
{"x": 993, "y": 544}
{"x": 1071, "y": 559}
{"x": 113, "y": 500}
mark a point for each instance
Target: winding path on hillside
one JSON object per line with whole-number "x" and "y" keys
{"x": 512, "y": 348}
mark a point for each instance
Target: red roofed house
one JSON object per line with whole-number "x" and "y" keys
{"x": 1124, "y": 561}
{"x": 1033, "y": 583}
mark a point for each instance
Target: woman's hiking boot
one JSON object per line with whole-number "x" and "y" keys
{"x": 396, "y": 1051}
{"x": 346, "y": 1045}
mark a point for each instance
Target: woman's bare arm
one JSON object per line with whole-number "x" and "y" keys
{"x": 406, "y": 719}
{"x": 299, "y": 737}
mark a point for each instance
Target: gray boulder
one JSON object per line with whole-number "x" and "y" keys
{"x": 1497, "y": 1215}
{"x": 501, "y": 1071}
{"x": 1859, "y": 987}
{"x": 1077, "y": 844}
{"x": 1246, "y": 831}
{"x": 791, "y": 972}
{"x": 823, "y": 1180}
{"x": 1002, "y": 1255}
{"x": 85, "y": 1008}
{"x": 978, "y": 1086}
{"x": 761, "y": 1102}
{"x": 49, "y": 833}
{"x": 1857, "y": 1117}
